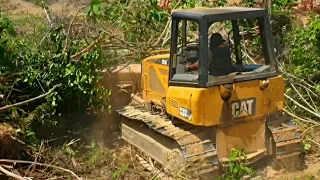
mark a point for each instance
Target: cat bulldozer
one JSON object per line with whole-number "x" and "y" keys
{"x": 195, "y": 103}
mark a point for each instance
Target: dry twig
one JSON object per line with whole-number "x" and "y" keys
{"x": 10, "y": 174}
{"x": 4, "y": 79}
{"x": 301, "y": 106}
{"x": 299, "y": 118}
{"x": 40, "y": 164}
{"x": 307, "y": 103}
{"x": 147, "y": 166}
{"x": 27, "y": 101}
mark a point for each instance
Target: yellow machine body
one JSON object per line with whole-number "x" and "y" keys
{"x": 242, "y": 117}
{"x": 248, "y": 99}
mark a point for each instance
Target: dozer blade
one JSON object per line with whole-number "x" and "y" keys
{"x": 176, "y": 145}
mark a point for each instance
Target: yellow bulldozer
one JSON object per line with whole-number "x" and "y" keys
{"x": 192, "y": 104}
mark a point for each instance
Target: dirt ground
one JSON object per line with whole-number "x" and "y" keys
{"x": 63, "y": 8}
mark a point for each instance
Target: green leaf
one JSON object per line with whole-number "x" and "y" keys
{"x": 96, "y": 9}
{"x": 30, "y": 133}
{"x": 115, "y": 174}
{"x": 95, "y": 2}
{"x": 247, "y": 170}
{"x": 307, "y": 146}
{"x": 231, "y": 167}
{"x": 235, "y": 170}
{"x": 233, "y": 156}
{"x": 318, "y": 88}
{"x": 53, "y": 103}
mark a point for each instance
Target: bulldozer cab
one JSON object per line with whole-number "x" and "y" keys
{"x": 210, "y": 60}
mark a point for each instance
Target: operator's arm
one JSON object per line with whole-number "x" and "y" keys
{"x": 194, "y": 66}
{"x": 191, "y": 67}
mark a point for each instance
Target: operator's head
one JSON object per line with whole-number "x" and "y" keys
{"x": 216, "y": 40}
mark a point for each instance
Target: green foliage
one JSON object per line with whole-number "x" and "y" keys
{"x": 307, "y": 145}
{"x": 6, "y": 25}
{"x": 281, "y": 4}
{"x": 6, "y": 28}
{"x": 304, "y": 40}
{"x": 236, "y": 169}
{"x": 141, "y": 21}
{"x": 120, "y": 172}
{"x": 94, "y": 10}
{"x": 134, "y": 19}
{"x": 96, "y": 154}
{"x": 31, "y": 69}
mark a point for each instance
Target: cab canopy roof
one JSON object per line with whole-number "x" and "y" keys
{"x": 218, "y": 13}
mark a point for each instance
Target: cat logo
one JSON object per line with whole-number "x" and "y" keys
{"x": 244, "y": 107}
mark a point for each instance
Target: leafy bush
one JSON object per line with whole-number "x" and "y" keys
{"x": 304, "y": 40}
{"x": 69, "y": 70}
{"x": 142, "y": 22}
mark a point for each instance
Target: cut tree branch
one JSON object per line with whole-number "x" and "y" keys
{"x": 87, "y": 49}
{"x": 4, "y": 79}
{"x": 39, "y": 164}
{"x": 299, "y": 118}
{"x": 301, "y": 106}
{"x": 303, "y": 99}
{"x": 27, "y": 101}
{"x": 10, "y": 174}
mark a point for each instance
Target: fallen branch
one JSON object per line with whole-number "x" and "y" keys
{"x": 301, "y": 119}
{"x": 303, "y": 99}
{"x": 27, "y": 101}
{"x": 147, "y": 166}
{"x": 4, "y": 79}
{"x": 39, "y": 164}
{"x": 281, "y": 68}
{"x": 87, "y": 49}
{"x": 163, "y": 32}
{"x": 10, "y": 174}
{"x": 301, "y": 106}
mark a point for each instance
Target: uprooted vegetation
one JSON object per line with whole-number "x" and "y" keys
{"x": 50, "y": 68}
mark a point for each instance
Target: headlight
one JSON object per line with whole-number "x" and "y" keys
{"x": 263, "y": 84}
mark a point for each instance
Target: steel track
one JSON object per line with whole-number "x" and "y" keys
{"x": 195, "y": 145}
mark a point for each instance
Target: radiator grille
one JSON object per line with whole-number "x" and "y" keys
{"x": 174, "y": 103}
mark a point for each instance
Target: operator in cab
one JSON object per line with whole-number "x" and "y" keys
{"x": 216, "y": 40}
